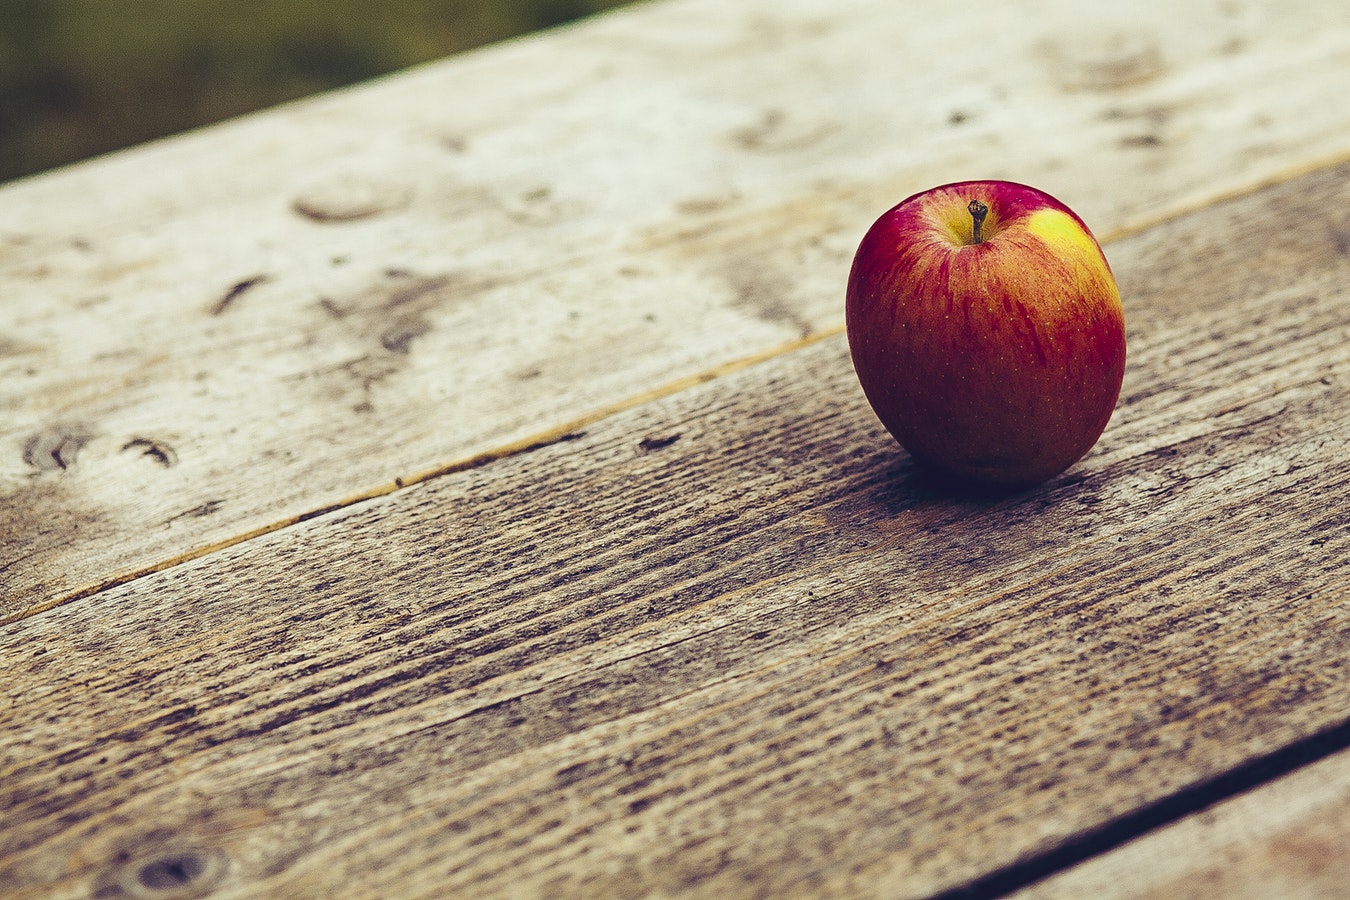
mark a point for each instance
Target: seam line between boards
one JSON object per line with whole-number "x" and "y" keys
{"x": 564, "y": 432}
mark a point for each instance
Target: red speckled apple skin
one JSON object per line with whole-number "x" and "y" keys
{"x": 999, "y": 361}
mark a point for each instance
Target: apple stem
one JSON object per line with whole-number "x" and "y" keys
{"x": 977, "y": 211}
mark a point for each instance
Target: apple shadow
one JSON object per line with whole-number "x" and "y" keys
{"x": 901, "y": 485}
{"x": 909, "y": 481}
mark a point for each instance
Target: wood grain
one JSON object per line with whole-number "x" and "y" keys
{"x": 730, "y": 642}
{"x": 215, "y": 336}
{"x": 1283, "y": 839}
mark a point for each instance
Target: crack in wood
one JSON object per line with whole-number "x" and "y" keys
{"x": 234, "y": 293}
{"x": 159, "y": 451}
{"x": 54, "y": 450}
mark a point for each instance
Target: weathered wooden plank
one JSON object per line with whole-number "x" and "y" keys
{"x": 730, "y": 642}
{"x": 213, "y": 336}
{"x": 1284, "y": 839}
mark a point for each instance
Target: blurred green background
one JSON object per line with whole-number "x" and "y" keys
{"x": 82, "y": 77}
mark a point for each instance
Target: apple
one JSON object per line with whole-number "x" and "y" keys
{"x": 987, "y": 332}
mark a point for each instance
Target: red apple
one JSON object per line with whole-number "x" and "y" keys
{"x": 987, "y": 331}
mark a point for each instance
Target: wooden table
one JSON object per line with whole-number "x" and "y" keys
{"x": 457, "y": 486}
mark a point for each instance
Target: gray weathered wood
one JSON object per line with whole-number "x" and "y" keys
{"x": 729, "y": 642}
{"x": 1284, "y": 839}
{"x": 218, "y": 335}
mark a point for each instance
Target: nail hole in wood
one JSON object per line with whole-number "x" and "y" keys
{"x": 172, "y": 872}
{"x": 648, "y": 445}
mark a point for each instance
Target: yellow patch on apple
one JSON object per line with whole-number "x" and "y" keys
{"x": 1064, "y": 235}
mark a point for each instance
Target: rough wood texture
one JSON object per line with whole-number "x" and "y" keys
{"x": 1285, "y": 839}
{"x": 729, "y": 642}
{"x": 218, "y": 335}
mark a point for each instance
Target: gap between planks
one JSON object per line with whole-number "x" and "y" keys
{"x": 1139, "y": 437}
{"x": 1153, "y": 817}
{"x": 568, "y": 429}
